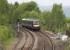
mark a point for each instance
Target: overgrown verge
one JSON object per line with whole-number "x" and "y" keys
{"x": 7, "y": 35}
{"x": 67, "y": 47}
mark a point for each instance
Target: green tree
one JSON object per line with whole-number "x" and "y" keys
{"x": 45, "y": 19}
{"x": 30, "y": 6}
{"x": 3, "y": 6}
{"x": 31, "y": 14}
{"x": 13, "y": 13}
{"x": 26, "y": 9}
{"x": 4, "y": 10}
{"x": 58, "y": 18}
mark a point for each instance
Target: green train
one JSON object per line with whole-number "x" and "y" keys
{"x": 31, "y": 23}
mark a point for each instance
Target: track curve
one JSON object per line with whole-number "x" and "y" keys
{"x": 51, "y": 44}
{"x": 34, "y": 40}
{"x": 29, "y": 43}
{"x": 21, "y": 41}
{"x": 37, "y": 43}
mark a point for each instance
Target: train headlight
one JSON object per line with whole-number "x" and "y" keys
{"x": 35, "y": 25}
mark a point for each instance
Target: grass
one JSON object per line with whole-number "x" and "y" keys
{"x": 8, "y": 43}
{"x": 68, "y": 45}
{"x": 6, "y": 35}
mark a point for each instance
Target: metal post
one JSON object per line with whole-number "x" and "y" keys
{"x": 18, "y": 27}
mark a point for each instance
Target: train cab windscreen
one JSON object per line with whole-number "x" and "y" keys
{"x": 36, "y": 23}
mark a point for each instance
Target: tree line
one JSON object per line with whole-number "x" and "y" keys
{"x": 54, "y": 20}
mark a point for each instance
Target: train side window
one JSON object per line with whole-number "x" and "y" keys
{"x": 36, "y": 22}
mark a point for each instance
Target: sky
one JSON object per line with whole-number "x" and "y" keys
{"x": 44, "y": 2}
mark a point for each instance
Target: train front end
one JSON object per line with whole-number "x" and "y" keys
{"x": 36, "y": 25}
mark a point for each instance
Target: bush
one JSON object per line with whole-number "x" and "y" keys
{"x": 68, "y": 45}
{"x": 6, "y": 33}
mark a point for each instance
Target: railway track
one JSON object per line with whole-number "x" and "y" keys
{"x": 58, "y": 44}
{"x": 38, "y": 45}
{"x": 49, "y": 45}
{"x": 45, "y": 40}
{"x": 21, "y": 41}
{"x": 27, "y": 41}
{"x": 36, "y": 41}
{"x": 41, "y": 42}
{"x": 31, "y": 40}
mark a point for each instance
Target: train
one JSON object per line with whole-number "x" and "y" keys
{"x": 31, "y": 23}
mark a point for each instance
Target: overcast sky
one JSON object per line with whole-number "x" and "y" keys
{"x": 44, "y": 2}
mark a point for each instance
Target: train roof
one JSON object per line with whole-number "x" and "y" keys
{"x": 30, "y": 19}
